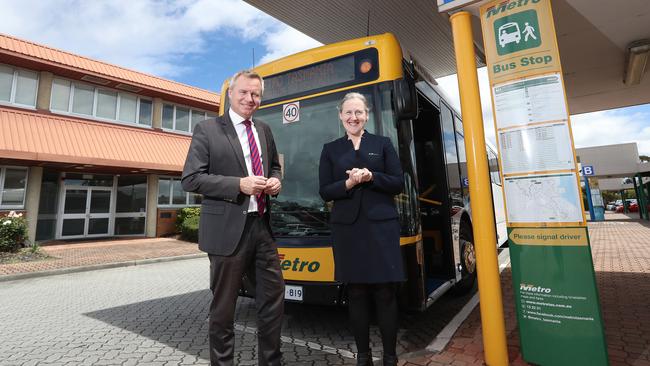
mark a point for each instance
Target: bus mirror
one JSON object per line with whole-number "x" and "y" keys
{"x": 405, "y": 99}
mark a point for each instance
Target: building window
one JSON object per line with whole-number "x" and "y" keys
{"x": 60, "y": 95}
{"x": 105, "y": 104}
{"x": 18, "y": 86}
{"x": 131, "y": 205}
{"x": 13, "y": 185}
{"x": 168, "y": 117}
{"x": 146, "y": 108}
{"x": 128, "y": 108}
{"x": 83, "y": 99}
{"x": 182, "y": 119}
{"x": 171, "y": 193}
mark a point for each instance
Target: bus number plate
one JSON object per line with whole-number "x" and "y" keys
{"x": 293, "y": 292}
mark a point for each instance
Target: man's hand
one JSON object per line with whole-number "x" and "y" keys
{"x": 273, "y": 186}
{"x": 252, "y": 185}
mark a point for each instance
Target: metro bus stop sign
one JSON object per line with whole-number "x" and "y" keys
{"x": 557, "y": 304}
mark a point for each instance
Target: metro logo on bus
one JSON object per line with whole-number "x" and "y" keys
{"x": 298, "y": 265}
{"x": 307, "y": 264}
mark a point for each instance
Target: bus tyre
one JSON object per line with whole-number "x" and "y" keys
{"x": 467, "y": 261}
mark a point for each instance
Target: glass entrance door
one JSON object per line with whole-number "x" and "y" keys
{"x": 86, "y": 212}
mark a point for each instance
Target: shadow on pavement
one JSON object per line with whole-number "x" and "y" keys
{"x": 177, "y": 321}
{"x": 312, "y": 334}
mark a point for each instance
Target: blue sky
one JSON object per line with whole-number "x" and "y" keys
{"x": 203, "y": 42}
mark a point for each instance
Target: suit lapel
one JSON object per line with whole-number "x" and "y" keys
{"x": 263, "y": 149}
{"x": 231, "y": 134}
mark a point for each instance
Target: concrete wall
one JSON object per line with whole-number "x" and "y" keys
{"x": 44, "y": 90}
{"x": 152, "y": 206}
{"x": 620, "y": 160}
{"x": 32, "y": 199}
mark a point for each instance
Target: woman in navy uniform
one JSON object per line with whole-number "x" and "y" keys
{"x": 361, "y": 173}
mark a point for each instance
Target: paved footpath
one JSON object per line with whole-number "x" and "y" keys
{"x": 621, "y": 255}
{"x": 120, "y": 316}
{"x": 77, "y": 256}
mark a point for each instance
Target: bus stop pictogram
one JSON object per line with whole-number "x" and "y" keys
{"x": 517, "y": 32}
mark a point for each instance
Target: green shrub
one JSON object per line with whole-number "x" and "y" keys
{"x": 13, "y": 232}
{"x": 190, "y": 229}
{"x": 184, "y": 214}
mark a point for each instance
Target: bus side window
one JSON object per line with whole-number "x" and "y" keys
{"x": 451, "y": 156}
{"x": 462, "y": 159}
{"x": 493, "y": 162}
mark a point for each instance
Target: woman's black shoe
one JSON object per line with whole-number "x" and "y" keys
{"x": 390, "y": 360}
{"x": 364, "y": 359}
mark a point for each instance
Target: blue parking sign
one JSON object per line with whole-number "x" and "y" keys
{"x": 588, "y": 170}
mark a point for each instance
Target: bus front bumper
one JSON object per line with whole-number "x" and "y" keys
{"x": 315, "y": 293}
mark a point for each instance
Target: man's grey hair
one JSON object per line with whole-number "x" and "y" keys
{"x": 354, "y": 95}
{"x": 249, "y": 74}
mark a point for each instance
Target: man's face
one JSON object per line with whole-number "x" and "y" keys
{"x": 245, "y": 96}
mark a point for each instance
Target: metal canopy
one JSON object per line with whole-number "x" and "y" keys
{"x": 592, "y": 34}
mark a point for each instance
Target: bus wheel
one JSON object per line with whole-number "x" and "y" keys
{"x": 467, "y": 261}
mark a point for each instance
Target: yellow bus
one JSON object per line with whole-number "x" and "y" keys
{"x": 299, "y": 103}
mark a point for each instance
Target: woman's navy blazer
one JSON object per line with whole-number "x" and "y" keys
{"x": 376, "y": 198}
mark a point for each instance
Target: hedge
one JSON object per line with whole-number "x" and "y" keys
{"x": 190, "y": 229}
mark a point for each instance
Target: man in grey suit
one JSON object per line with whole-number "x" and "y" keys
{"x": 233, "y": 163}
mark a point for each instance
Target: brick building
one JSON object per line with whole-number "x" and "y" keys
{"x": 90, "y": 149}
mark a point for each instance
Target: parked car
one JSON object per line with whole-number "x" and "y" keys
{"x": 611, "y": 206}
{"x": 632, "y": 206}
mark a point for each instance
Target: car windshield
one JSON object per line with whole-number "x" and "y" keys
{"x": 299, "y": 210}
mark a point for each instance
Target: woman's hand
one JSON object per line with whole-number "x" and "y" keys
{"x": 357, "y": 176}
{"x": 364, "y": 175}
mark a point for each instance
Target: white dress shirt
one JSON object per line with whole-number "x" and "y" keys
{"x": 240, "y": 128}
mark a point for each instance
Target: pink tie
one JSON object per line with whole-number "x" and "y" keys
{"x": 256, "y": 162}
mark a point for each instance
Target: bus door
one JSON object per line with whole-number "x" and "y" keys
{"x": 435, "y": 207}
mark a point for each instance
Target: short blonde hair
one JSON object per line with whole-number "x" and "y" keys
{"x": 247, "y": 73}
{"x": 353, "y": 95}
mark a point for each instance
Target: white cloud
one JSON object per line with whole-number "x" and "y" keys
{"x": 146, "y": 35}
{"x": 612, "y": 127}
{"x": 286, "y": 41}
{"x": 589, "y": 129}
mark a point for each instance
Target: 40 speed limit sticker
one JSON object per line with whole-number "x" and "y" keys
{"x": 291, "y": 112}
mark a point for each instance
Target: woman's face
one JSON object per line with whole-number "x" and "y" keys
{"x": 353, "y": 115}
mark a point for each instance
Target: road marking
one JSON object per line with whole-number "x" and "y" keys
{"x": 441, "y": 340}
{"x": 299, "y": 342}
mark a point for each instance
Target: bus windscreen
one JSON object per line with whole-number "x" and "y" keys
{"x": 343, "y": 71}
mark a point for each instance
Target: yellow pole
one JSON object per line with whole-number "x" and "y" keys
{"x": 489, "y": 285}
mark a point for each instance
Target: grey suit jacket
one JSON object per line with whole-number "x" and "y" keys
{"x": 214, "y": 165}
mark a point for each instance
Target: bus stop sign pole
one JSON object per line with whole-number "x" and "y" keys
{"x": 489, "y": 284}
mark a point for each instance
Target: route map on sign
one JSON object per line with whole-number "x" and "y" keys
{"x": 544, "y": 198}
